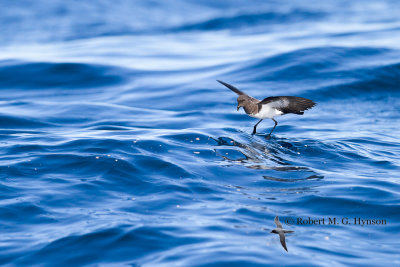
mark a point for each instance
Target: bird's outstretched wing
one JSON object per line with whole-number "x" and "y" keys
{"x": 233, "y": 88}
{"x": 283, "y": 242}
{"x": 289, "y": 104}
{"x": 277, "y": 222}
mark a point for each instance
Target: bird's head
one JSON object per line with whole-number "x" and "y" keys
{"x": 241, "y": 101}
{"x": 274, "y": 231}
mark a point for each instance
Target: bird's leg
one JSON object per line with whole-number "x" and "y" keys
{"x": 269, "y": 136}
{"x": 255, "y": 126}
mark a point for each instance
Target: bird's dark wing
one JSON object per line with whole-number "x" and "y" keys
{"x": 289, "y": 104}
{"x": 288, "y": 231}
{"x": 233, "y": 88}
{"x": 270, "y": 99}
{"x": 277, "y": 222}
{"x": 282, "y": 238}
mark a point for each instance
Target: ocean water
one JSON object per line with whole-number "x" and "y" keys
{"x": 118, "y": 146}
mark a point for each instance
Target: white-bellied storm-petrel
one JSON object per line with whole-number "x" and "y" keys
{"x": 270, "y": 107}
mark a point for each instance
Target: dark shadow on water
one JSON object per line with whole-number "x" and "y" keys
{"x": 311, "y": 177}
{"x": 274, "y": 159}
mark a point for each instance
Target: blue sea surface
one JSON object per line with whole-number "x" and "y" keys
{"x": 118, "y": 146}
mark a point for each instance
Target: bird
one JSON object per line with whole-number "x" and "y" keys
{"x": 281, "y": 232}
{"x": 270, "y": 107}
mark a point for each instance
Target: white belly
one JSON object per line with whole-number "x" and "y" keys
{"x": 267, "y": 112}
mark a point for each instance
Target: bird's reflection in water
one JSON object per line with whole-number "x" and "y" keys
{"x": 278, "y": 157}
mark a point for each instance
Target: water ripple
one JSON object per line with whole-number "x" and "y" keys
{"x": 115, "y": 136}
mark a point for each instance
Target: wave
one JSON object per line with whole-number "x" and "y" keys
{"x": 369, "y": 82}
{"x": 41, "y": 75}
{"x": 325, "y": 72}
{"x": 16, "y": 122}
{"x": 249, "y": 21}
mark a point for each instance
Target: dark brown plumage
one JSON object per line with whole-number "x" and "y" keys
{"x": 296, "y": 105}
{"x": 233, "y": 88}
